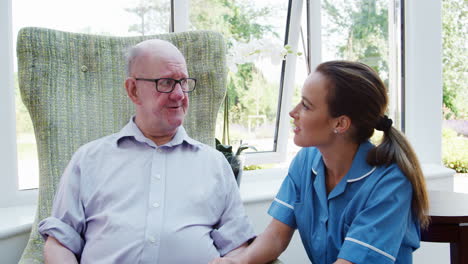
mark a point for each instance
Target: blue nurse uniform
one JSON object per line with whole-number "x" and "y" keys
{"x": 366, "y": 218}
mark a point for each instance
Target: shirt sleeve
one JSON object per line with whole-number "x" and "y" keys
{"x": 67, "y": 220}
{"x": 282, "y": 207}
{"x": 234, "y": 228}
{"x": 376, "y": 233}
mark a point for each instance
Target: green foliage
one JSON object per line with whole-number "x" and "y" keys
{"x": 232, "y": 157}
{"x": 248, "y": 91}
{"x": 253, "y": 167}
{"x": 454, "y": 66}
{"x": 364, "y": 24}
{"x": 242, "y": 20}
{"x": 234, "y": 19}
{"x": 454, "y": 150}
{"x": 154, "y": 17}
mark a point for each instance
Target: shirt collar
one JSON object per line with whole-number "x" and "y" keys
{"x": 359, "y": 170}
{"x": 131, "y": 130}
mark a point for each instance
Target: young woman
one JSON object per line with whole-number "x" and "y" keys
{"x": 351, "y": 201}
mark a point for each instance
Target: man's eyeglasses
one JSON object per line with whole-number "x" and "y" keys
{"x": 167, "y": 85}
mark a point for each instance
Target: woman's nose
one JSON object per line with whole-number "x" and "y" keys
{"x": 293, "y": 112}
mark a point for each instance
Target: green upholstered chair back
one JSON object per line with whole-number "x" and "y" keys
{"x": 73, "y": 86}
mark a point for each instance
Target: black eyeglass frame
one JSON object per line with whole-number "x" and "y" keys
{"x": 173, "y": 86}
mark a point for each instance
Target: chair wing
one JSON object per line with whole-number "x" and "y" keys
{"x": 72, "y": 86}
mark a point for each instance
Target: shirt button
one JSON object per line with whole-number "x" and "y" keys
{"x": 152, "y": 240}
{"x": 157, "y": 176}
{"x": 159, "y": 150}
{"x": 155, "y": 205}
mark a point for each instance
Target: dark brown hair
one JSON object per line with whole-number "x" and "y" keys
{"x": 356, "y": 90}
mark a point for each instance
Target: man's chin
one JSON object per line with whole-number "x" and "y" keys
{"x": 176, "y": 123}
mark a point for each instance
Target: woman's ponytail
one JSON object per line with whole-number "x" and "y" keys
{"x": 395, "y": 148}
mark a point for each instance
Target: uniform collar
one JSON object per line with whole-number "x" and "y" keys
{"x": 131, "y": 130}
{"x": 359, "y": 170}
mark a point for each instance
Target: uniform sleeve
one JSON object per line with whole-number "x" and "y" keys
{"x": 377, "y": 232}
{"x": 282, "y": 207}
{"x": 67, "y": 220}
{"x": 234, "y": 228}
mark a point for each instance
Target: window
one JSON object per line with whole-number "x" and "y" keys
{"x": 364, "y": 30}
{"x": 255, "y": 32}
{"x": 369, "y": 32}
{"x": 255, "y": 89}
{"x": 455, "y": 83}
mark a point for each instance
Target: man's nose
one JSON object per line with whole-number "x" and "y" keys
{"x": 177, "y": 93}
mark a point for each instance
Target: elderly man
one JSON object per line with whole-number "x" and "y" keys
{"x": 149, "y": 193}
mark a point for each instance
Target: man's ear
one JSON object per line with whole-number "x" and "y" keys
{"x": 130, "y": 87}
{"x": 342, "y": 124}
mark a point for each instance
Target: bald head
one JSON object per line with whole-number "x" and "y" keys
{"x": 156, "y": 49}
{"x": 158, "y": 114}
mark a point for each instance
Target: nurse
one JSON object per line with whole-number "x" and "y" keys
{"x": 351, "y": 201}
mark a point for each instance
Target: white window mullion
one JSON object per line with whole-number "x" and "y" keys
{"x": 315, "y": 34}
{"x": 423, "y": 78}
{"x": 394, "y": 62}
{"x": 181, "y": 15}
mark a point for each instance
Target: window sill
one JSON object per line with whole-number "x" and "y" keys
{"x": 261, "y": 185}
{"x": 16, "y": 220}
{"x": 256, "y": 186}
{"x": 434, "y": 171}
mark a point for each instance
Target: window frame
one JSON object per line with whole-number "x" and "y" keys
{"x": 10, "y": 195}
{"x": 286, "y": 91}
{"x": 421, "y": 39}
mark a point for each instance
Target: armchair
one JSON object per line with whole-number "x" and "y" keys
{"x": 72, "y": 86}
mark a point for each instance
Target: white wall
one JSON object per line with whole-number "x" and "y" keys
{"x": 257, "y": 212}
{"x": 12, "y": 247}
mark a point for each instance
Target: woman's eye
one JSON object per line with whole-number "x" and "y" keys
{"x": 304, "y": 105}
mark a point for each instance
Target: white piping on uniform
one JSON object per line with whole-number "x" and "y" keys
{"x": 283, "y": 203}
{"x": 363, "y": 176}
{"x": 371, "y": 247}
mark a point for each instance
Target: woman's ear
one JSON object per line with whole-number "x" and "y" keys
{"x": 130, "y": 87}
{"x": 342, "y": 124}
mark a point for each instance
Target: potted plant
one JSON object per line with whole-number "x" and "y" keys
{"x": 235, "y": 159}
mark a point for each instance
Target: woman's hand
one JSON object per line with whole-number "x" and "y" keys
{"x": 265, "y": 248}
